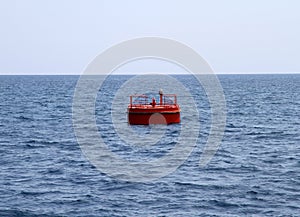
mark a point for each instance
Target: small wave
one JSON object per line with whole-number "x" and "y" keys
{"x": 17, "y": 213}
{"x": 24, "y": 118}
{"x": 31, "y": 193}
{"x": 252, "y": 192}
{"x": 39, "y": 143}
{"x": 22, "y": 213}
{"x": 222, "y": 203}
{"x": 55, "y": 171}
{"x": 38, "y": 193}
{"x": 188, "y": 184}
{"x": 33, "y": 146}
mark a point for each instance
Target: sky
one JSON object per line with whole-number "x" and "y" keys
{"x": 234, "y": 36}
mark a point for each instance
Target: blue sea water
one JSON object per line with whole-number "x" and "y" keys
{"x": 256, "y": 170}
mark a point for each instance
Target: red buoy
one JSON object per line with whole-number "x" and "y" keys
{"x": 143, "y": 112}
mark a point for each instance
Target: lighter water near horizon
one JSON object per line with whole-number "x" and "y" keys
{"x": 255, "y": 171}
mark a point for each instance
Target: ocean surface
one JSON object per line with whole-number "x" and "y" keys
{"x": 255, "y": 171}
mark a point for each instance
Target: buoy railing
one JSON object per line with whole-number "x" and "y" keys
{"x": 142, "y": 100}
{"x": 137, "y": 100}
{"x": 169, "y": 99}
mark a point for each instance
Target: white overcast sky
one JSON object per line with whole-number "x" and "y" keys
{"x": 63, "y": 36}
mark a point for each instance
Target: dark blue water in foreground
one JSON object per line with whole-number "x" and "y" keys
{"x": 256, "y": 170}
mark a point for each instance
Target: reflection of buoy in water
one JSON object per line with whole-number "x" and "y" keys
{"x": 157, "y": 118}
{"x": 141, "y": 112}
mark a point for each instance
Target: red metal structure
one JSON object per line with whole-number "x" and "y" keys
{"x": 141, "y": 111}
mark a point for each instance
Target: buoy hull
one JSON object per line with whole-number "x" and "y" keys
{"x": 145, "y": 115}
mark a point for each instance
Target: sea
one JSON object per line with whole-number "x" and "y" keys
{"x": 253, "y": 171}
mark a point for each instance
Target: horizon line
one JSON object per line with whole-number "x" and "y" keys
{"x": 158, "y": 73}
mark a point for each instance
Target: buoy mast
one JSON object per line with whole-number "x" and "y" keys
{"x": 160, "y": 97}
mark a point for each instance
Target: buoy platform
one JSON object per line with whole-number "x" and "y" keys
{"x": 142, "y": 111}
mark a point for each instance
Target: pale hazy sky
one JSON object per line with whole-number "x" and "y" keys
{"x": 63, "y": 36}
